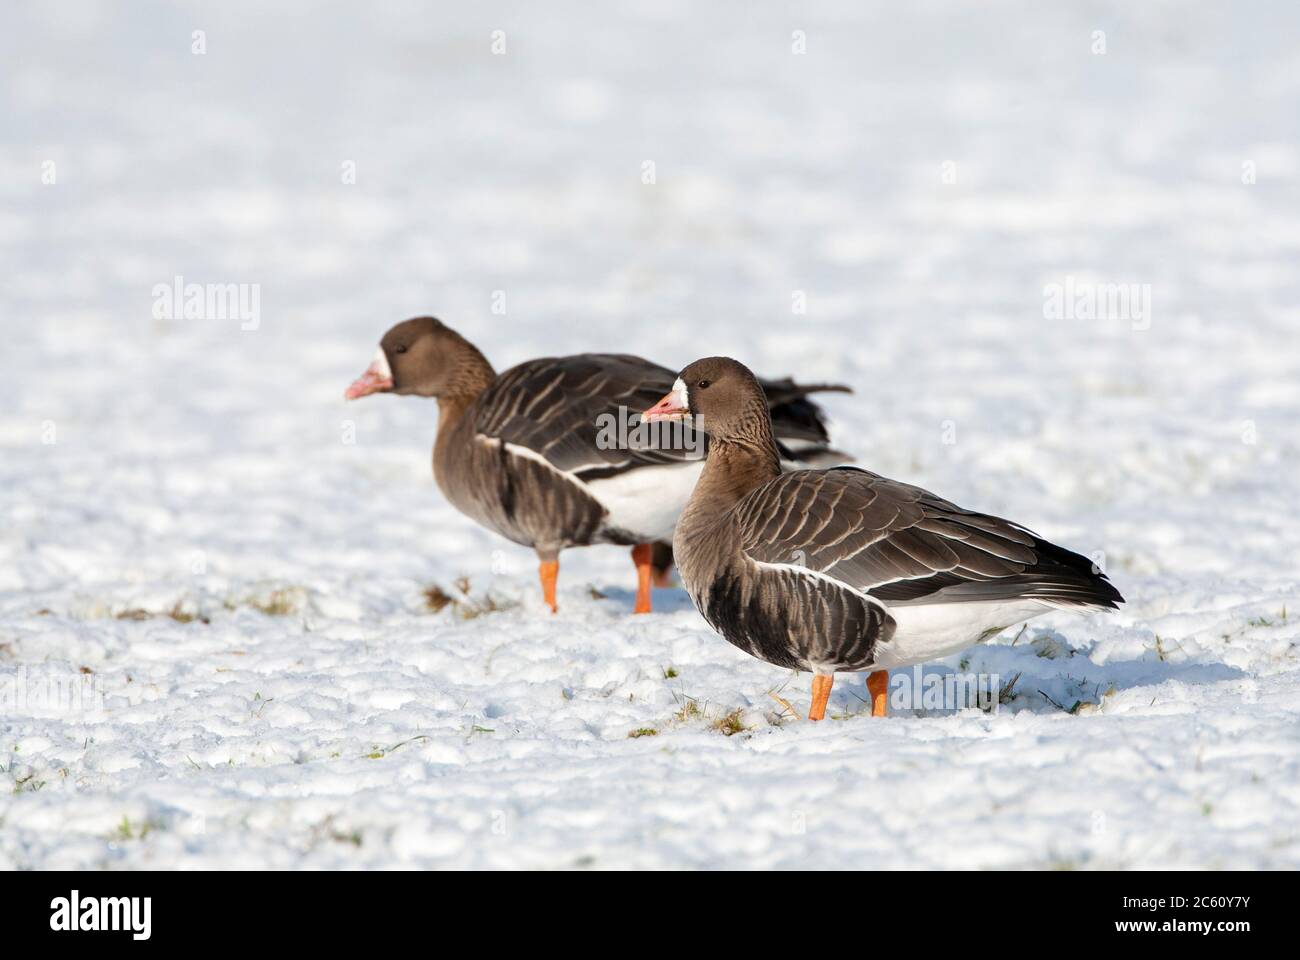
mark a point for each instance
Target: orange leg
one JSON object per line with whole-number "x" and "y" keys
{"x": 549, "y": 570}
{"x": 642, "y": 556}
{"x": 878, "y": 687}
{"x": 821, "y": 693}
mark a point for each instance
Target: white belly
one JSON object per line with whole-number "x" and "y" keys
{"x": 647, "y": 501}
{"x": 930, "y": 632}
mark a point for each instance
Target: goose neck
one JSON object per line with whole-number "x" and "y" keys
{"x": 733, "y": 469}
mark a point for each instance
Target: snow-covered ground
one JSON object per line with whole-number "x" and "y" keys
{"x": 215, "y": 647}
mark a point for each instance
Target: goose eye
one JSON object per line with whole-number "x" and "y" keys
{"x": 702, "y": 384}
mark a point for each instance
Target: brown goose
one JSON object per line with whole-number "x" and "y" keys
{"x": 842, "y": 569}
{"x": 543, "y": 454}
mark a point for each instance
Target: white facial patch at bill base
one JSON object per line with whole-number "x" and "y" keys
{"x": 680, "y": 397}
{"x": 377, "y": 377}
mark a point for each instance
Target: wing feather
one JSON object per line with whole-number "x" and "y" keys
{"x": 554, "y": 407}
{"x": 903, "y": 544}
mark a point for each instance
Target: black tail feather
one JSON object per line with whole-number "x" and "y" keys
{"x": 1072, "y": 578}
{"x": 794, "y": 415}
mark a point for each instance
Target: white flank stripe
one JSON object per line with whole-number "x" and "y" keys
{"x": 824, "y": 578}
{"x": 645, "y": 501}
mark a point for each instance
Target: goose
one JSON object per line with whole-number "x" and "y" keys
{"x": 544, "y": 453}
{"x": 841, "y": 569}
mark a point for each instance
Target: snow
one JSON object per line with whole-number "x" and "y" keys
{"x": 215, "y": 648}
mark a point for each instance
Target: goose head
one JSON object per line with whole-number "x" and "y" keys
{"x": 416, "y": 357}
{"x": 722, "y": 396}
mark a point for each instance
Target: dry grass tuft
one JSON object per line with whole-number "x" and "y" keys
{"x": 689, "y": 711}
{"x": 436, "y": 598}
{"x": 278, "y": 603}
{"x": 464, "y": 606}
{"x": 731, "y": 723}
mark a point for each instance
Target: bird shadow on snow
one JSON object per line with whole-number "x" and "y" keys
{"x": 664, "y": 600}
{"x": 1045, "y": 674}
{"x": 1039, "y": 671}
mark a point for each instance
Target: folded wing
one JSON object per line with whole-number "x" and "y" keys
{"x": 903, "y": 545}
{"x": 560, "y": 408}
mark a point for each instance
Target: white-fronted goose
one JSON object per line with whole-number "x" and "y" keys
{"x": 529, "y": 453}
{"x": 841, "y": 569}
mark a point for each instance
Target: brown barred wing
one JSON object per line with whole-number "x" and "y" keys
{"x": 904, "y": 545}
{"x": 578, "y": 412}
